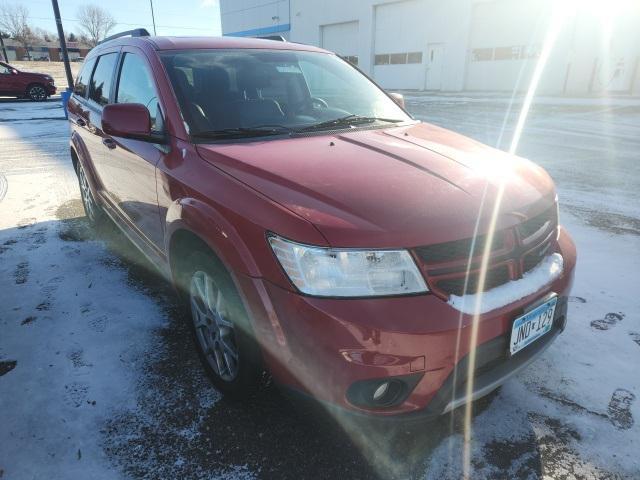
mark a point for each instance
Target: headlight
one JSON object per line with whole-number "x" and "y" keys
{"x": 557, "y": 218}
{"x": 342, "y": 272}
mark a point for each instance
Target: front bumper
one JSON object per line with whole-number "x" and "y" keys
{"x": 51, "y": 89}
{"x": 320, "y": 347}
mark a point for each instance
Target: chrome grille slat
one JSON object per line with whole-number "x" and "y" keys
{"x": 534, "y": 226}
{"x": 446, "y": 264}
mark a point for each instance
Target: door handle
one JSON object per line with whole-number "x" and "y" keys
{"x": 81, "y": 123}
{"x": 109, "y": 143}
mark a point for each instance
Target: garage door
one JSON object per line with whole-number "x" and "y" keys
{"x": 400, "y": 44}
{"x": 506, "y": 40}
{"x": 341, "y": 38}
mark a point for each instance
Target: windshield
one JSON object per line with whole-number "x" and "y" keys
{"x": 232, "y": 91}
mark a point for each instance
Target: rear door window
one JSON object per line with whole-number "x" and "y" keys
{"x": 100, "y": 85}
{"x": 82, "y": 82}
{"x": 135, "y": 85}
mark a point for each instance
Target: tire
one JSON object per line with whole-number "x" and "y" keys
{"x": 37, "y": 92}
{"x": 92, "y": 210}
{"x": 220, "y": 325}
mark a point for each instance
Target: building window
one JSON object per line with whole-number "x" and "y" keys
{"x": 352, "y": 59}
{"x": 414, "y": 57}
{"x": 506, "y": 53}
{"x": 528, "y": 52}
{"x": 514, "y": 52}
{"x": 482, "y": 54}
{"x": 382, "y": 59}
{"x": 398, "y": 58}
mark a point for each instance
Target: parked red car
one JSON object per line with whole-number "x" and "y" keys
{"x": 315, "y": 228}
{"x": 14, "y": 83}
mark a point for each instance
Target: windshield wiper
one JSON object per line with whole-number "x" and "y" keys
{"x": 348, "y": 120}
{"x": 244, "y": 132}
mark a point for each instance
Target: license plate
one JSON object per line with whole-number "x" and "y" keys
{"x": 532, "y": 325}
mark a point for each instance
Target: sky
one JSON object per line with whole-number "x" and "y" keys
{"x": 182, "y": 17}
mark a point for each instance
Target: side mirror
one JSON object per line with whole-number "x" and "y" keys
{"x": 129, "y": 120}
{"x": 398, "y": 98}
{"x": 14, "y": 71}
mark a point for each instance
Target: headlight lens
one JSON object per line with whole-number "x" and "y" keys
{"x": 340, "y": 272}
{"x": 557, "y": 218}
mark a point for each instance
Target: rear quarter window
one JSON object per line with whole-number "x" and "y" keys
{"x": 102, "y": 79}
{"x": 82, "y": 82}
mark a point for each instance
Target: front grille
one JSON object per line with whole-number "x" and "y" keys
{"x": 528, "y": 228}
{"x": 514, "y": 252}
{"x": 458, "y": 249}
{"x": 535, "y": 256}
{"x": 455, "y": 286}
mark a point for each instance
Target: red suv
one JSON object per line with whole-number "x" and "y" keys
{"x": 14, "y": 83}
{"x": 375, "y": 263}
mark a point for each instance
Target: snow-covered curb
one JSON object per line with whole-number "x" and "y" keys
{"x": 548, "y": 270}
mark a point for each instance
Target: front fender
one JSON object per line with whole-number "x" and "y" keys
{"x": 212, "y": 228}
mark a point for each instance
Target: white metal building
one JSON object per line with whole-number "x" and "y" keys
{"x": 457, "y": 45}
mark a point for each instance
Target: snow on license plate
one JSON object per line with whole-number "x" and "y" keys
{"x": 532, "y": 325}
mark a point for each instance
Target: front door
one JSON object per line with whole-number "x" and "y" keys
{"x": 131, "y": 183}
{"x": 435, "y": 57}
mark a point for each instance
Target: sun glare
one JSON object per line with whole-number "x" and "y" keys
{"x": 563, "y": 13}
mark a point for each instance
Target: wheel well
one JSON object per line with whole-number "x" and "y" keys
{"x": 183, "y": 242}
{"x": 74, "y": 159}
{"x": 33, "y": 84}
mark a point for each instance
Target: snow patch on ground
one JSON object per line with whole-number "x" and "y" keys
{"x": 76, "y": 336}
{"x": 546, "y": 272}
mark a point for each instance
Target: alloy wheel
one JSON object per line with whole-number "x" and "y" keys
{"x": 214, "y": 330}
{"x": 85, "y": 192}
{"x": 37, "y": 93}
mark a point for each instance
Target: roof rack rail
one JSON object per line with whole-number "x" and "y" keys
{"x": 136, "y": 32}
{"x": 277, "y": 38}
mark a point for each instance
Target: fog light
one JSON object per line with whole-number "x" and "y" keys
{"x": 380, "y": 391}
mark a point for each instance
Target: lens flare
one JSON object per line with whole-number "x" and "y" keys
{"x": 556, "y": 24}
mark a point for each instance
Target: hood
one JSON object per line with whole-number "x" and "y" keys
{"x": 36, "y": 76}
{"x": 396, "y": 187}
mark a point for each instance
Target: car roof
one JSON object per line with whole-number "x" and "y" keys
{"x": 189, "y": 43}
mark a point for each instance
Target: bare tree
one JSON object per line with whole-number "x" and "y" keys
{"x": 95, "y": 22}
{"x": 41, "y": 34}
{"x": 14, "y": 21}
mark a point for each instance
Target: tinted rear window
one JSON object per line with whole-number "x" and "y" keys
{"x": 82, "y": 82}
{"x": 102, "y": 78}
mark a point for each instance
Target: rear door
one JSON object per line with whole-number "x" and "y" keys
{"x": 79, "y": 117}
{"x": 99, "y": 95}
{"x": 132, "y": 163}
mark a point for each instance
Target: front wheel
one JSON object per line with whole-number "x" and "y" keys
{"x": 37, "y": 93}
{"x": 221, "y": 327}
